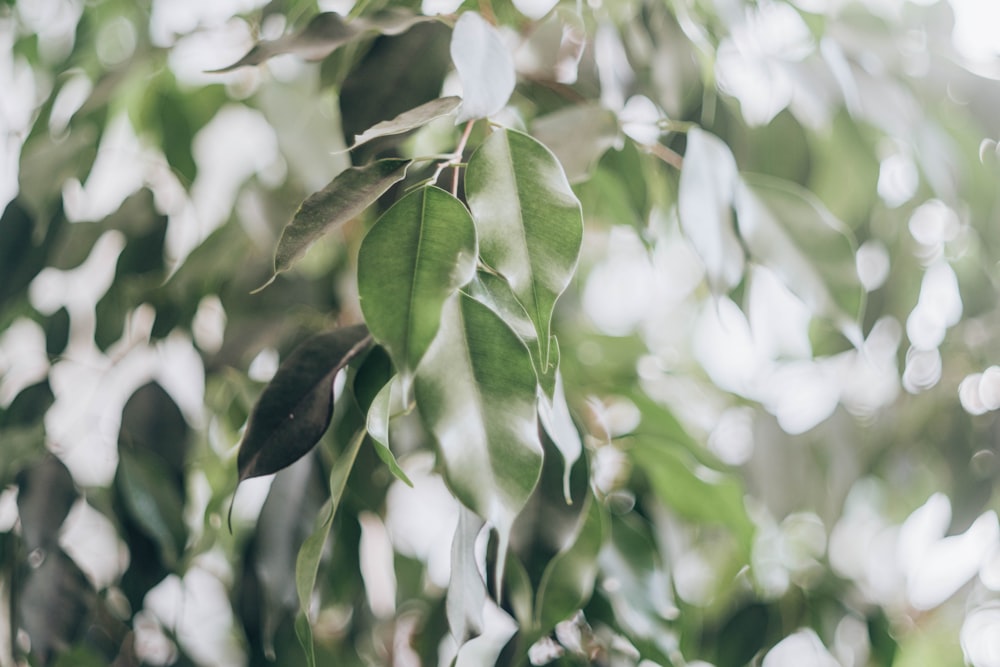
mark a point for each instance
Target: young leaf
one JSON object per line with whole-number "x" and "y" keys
{"x": 417, "y": 255}
{"x": 409, "y": 120}
{"x": 485, "y": 67}
{"x": 387, "y": 404}
{"x": 326, "y": 33}
{"x": 296, "y": 406}
{"x": 345, "y": 197}
{"x": 705, "y": 207}
{"x": 529, "y": 222}
{"x": 788, "y": 230}
{"x": 476, "y": 393}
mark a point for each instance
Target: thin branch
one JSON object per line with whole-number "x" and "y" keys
{"x": 459, "y": 150}
{"x": 667, "y": 155}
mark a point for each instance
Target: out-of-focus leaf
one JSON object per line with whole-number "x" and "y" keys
{"x": 467, "y": 588}
{"x": 788, "y": 230}
{"x": 409, "y": 120}
{"x": 563, "y": 131}
{"x": 153, "y": 501}
{"x": 387, "y": 404}
{"x": 28, "y": 407}
{"x": 568, "y": 580}
{"x": 346, "y": 197}
{"x": 350, "y": 430}
{"x": 151, "y": 421}
{"x": 476, "y": 393}
{"x": 529, "y": 223}
{"x": 296, "y": 406}
{"x": 52, "y": 604}
{"x": 705, "y": 207}
{"x": 484, "y": 66}
{"x": 416, "y": 256}
{"x": 22, "y": 252}
{"x": 45, "y": 495}
{"x": 326, "y": 33}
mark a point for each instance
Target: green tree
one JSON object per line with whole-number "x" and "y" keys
{"x": 628, "y": 332}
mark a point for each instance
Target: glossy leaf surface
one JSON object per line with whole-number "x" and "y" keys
{"x": 467, "y": 588}
{"x": 484, "y": 65}
{"x": 529, "y": 222}
{"x": 409, "y": 120}
{"x": 417, "y": 255}
{"x": 387, "y": 404}
{"x": 296, "y": 406}
{"x": 346, "y": 197}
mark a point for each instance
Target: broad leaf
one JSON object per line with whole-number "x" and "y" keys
{"x": 387, "y": 404}
{"x": 529, "y": 222}
{"x": 346, "y": 197}
{"x": 568, "y": 580}
{"x": 788, "y": 230}
{"x": 417, "y": 255}
{"x": 295, "y": 408}
{"x": 467, "y": 588}
{"x": 476, "y": 393}
{"x": 705, "y": 207}
{"x": 485, "y": 67}
{"x": 409, "y": 120}
{"x": 326, "y": 33}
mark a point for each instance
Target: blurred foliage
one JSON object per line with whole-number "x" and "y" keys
{"x": 748, "y": 416}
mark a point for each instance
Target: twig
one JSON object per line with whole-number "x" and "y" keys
{"x": 667, "y": 155}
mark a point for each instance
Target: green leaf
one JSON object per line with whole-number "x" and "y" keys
{"x": 578, "y": 135}
{"x": 553, "y": 413}
{"x": 153, "y": 502}
{"x": 346, "y": 197}
{"x": 569, "y": 578}
{"x": 529, "y": 222}
{"x": 417, "y": 255}
{"x": 790, "y": 231}
{"x": 53, "y": 602}
{"x": 326, "y": 33}
{"x": 705, "y": 207}
{"x": 45, "y": 495}
{"x": 296, "y": 406}
{"x": 485, "y": 67}
{"x": 307, "y": 561}
{"x": 466, "y": 589}
{"x": 387, "y": 404}
{"x": 409, "y": 120}
{"x": 476, "y": 393}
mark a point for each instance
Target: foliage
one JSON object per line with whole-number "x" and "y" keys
{"x": 616, "y": 333}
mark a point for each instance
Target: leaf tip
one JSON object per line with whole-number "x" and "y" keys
{"x": 270, "y": 280}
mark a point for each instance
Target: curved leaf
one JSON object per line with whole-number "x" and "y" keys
{"x": 788, "y": 230}
{"x": 705, "y": 207}
{"x": 295, "y": 408}
{"x": 345, "y": 197}
{"x": 409, "y": 120}
{"x": 417, "y": 254}
{"x": 529, "y": 222}
{"x": 45, "y": 495}
{"x": 153, "y": 501}
{"x": 553, "y": 413}
{"x": 387, "y": 404}
{"x": 563, "y": 130}
{"x": 476, "y": 392}
{"x": 326, "y": 33}
{"x": 485, "y": 67}
{"x": 467, "y": 589}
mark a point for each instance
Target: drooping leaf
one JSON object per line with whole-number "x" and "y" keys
{"x": 569, "y": 578}
{"x": 467, "y": 588}
{"x": 308, "y": 559}
{"x": 563, "y": 131}
{"x": 529, "y": 222}
{"x": 326, "y": 33}
{"x": 705, "y": 206}
{"x": 153, "y": 501}
{"x": 409, "y": 120}
{"x": 485, "y": 67}
{"x": 553, "y": 413}
{"x": 296, "y": 406}
{"x": 417, "y": 255}
{"x": 387, "y": 404}
{"x": 790, "y": 231}
{"x": 476, "y": 393}
{"x": 346, "y": 197}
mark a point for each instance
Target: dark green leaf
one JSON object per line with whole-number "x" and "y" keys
{"x": 52, "y": 604}
{"x": 409, "y": 120}
{"x": 153, "y": 502}
{"x": 346, "y": 197}
{"x": 416, "y": 256}
{"x": 296, "y": 406}
{"x": 529, "y": 222}
{"x": 45, "y": 495}
{"x": 476, "y": 393}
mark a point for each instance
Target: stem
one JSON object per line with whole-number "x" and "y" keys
{"x": 458, "y": 156}
{"x": 667, "y": 155}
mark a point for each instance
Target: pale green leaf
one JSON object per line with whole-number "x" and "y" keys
{"x": 476, "y": 393}
{"x": 388, "y": 403}
{"x": 485, "y": 67}
{"x": 346, "y": 197}
{"x": 529, "y": 222}
{"x": 788, "y": 230}
{"x": 553, "y": 413}
{"x": 409, "y": 120}
{"x": 467, "y": 588}
{"x": 705, "y": 208}
{"x": 578, "y": 135}
{"x": 417, "y": 255}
